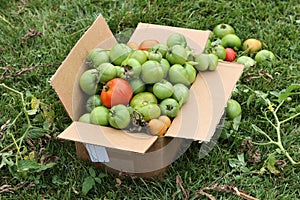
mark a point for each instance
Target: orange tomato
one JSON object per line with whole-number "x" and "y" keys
{"x": 147, "y": 44}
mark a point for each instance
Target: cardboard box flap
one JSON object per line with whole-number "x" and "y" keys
{"x": 93, "y": 134}
{"x": 196, "y": 39}
{"x": 65, "y": 80}
{"x": 199, "y": 117}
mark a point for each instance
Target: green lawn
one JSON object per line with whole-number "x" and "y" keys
{"x": 36, "y": 36}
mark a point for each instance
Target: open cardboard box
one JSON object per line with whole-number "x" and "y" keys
{"x": 139, "y": 153}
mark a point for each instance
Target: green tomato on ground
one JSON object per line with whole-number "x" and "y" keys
{"x": 99, "y": 116}
{"x": 223, "y": 29}
{"x": 264, "y": 55}
{"x": 232, "y": 41}
{"x": 246, "y": 60}
{"x": 119, "y": 116}
{"x": 233, "y": 109}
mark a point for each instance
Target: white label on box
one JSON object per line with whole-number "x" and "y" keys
{"x": 97, "y": 153}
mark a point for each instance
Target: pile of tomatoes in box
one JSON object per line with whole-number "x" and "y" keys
{"x": 141, "y": 87}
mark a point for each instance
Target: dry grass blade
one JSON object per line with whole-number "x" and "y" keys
{"x": 185, "y": 192}
{"x": 225, "y": 188}
{"x": 11, "y": 189}
{"x": 31, "y": 33}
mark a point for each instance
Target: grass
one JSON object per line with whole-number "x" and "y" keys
{"x": 27, "y": 63}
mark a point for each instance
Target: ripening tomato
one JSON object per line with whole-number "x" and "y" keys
{"x": 230, "y": 54}
{"x": 116, "y": 91}
{"x": 147, "y": 44}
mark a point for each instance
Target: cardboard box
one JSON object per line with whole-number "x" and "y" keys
{"x": 139, "y": 153}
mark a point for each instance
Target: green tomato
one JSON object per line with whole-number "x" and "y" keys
{"x": 202, "y": 62}
{"x": 86, "y": 118}
{"x": 96, "y": 57}
{"x": 154, "y": 55}
{"x": 223, "y": 29}
{"x": 264, "y": 55}
{"x": 149, "y": 111}
{"x": 107, "y": 71}
{"x": 232, "y": 41}
{"x": 233, "y": 109}
{"x": 161, "y": 48}
{"x": 165, "y": 65}
{"x": 152, "y": 72}
{"x": 163, "y": 89}
{"x": 177, "y": 54}
{"x": 137, "y": 85}
{"x": 92, "y": 102}
{"x": 176, "y": 39}
{"x": 120, "y": 72}
{"x": 213, "y": 62}
{"x": 99, "y": 116}
{"x": 139, "y": 55}
{"x": 181, "y": 93}
{"x": 219, "y": 51}
{"x": 185, "y": 74}
{"x": 88, "y": 81}
{"x": 143, "y": 98}
{"x": 118, "y": 53}
{"x": 169, "y": 107}
{"x": 119, "y": 116}
{"x": 132, "y": 68}
{"x": 246, "y": 60}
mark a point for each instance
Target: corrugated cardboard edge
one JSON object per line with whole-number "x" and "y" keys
{"x": 89, "y": 133}
{"x": 97, "y": 33}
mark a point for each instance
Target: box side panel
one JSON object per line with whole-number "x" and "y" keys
{"x": 196, "y": 39}
{"x": 65, "y": 80}
{"x": 108, "y": 137}
{"x": 199, "y": 117}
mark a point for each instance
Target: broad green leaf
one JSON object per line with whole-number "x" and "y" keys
{"x": 6, "y": 160}
{"x": 88, "y": 184}
{"x": 92, "y": 172}
{"x": 236, "y": 122}
{"x": 98, "y": 180}
{"x": 35, "y": 133}
{"x": 288, "y": 92}
{"x": 270, "y": 164}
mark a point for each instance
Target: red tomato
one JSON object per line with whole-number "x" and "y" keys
{"x": 116, "y": 91}
{"x": 147, "y": 44}
{"x": 230, "y": 54}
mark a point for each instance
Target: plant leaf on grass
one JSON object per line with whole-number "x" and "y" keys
{"x": 284, "y": 94}
{"x": 88, "y": 184}
{"x": 26, "y": 165}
